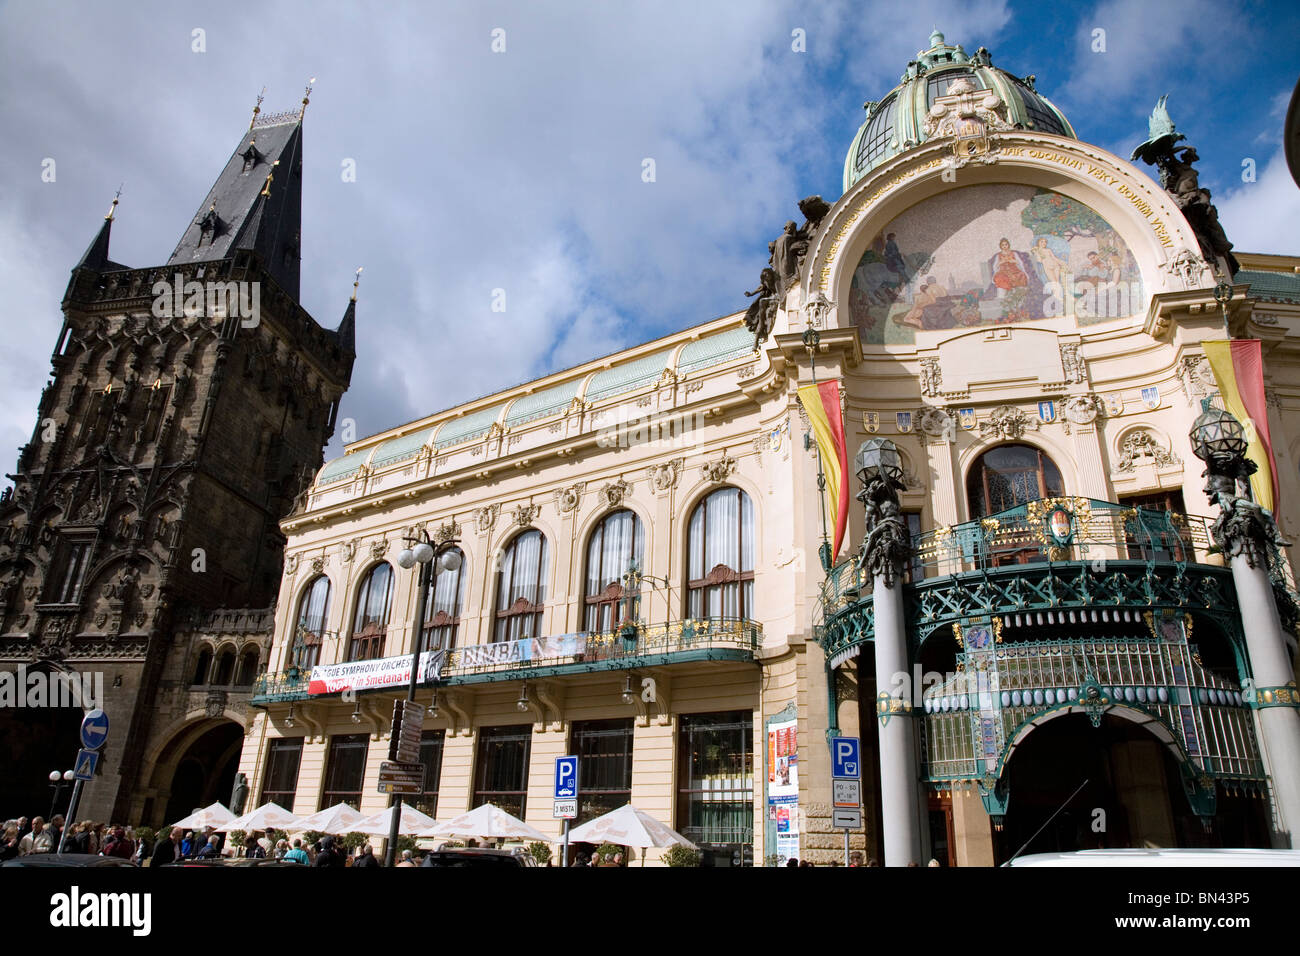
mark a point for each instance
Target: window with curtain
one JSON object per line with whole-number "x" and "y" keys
{"x": 720, "y": 567}
{"x": 442, "y": 609}
{"x": 280, "y": 783}
{"x": 501, "y": 776}
{"x": 345, "y": 771}
{"x": 1008, "y": 476}
{"x": 63, "y": 585}
{"x": 431, "y": 758}
{"x": 715, "y": 797}
{"x": 521, "y": 588}
{"x": 604, "y": 749}
{"x": 614, "y": 547}
{"x": 370, "y": 622}
{"x": 313, "y": 607}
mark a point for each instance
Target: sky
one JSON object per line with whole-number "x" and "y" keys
{"x": 521, "y": 169}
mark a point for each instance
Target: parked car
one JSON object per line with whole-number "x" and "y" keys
{"x": 67, "y": 859}
{"x": 479, "y": 857}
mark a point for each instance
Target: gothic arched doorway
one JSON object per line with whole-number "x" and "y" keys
{"x": 205, "y": 770}
{"x": 38, "y": 739}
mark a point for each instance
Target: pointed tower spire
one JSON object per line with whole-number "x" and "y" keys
{"x": 347, "y": 330}
{"x": 96, "y": 255}
{"x": 259, "y": 195}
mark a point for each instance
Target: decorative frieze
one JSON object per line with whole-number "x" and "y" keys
{"x": 614, "y": 492}
{"x": 524, "y": 515}
{"x": 1071, "y": 363}
{"x": 720, "y": 470}
{"x": 665, "y": 477}
{"x": 485, "y": 518}
{"x": 568, "y": 499}
{"x": 1008, "y": 423}
{"x": 446, "y": 532}
{"x": 931, "y": 376}
{"x": 1140, "y": 444}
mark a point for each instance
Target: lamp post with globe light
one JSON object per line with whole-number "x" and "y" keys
{"x": 57, "y": 782}
{"x": 1246, "y": 533}
{"x": 431, "y": 558}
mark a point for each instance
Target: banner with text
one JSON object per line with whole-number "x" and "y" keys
{"x": 367, "y": 675}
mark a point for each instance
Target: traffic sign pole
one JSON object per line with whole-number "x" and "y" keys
{"x": 72, "y": 815}
{"x": 565, "y": 859}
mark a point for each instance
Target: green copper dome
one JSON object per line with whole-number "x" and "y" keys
{"x": 897, "y": 122}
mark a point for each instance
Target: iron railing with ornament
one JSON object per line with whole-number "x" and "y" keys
{"x": 632, "y": 646}
{"x": 1043, "y": 531}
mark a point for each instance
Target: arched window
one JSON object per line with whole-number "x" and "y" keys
{"x": 442, "y": 611}
{"x": 1010, "y": 475}
{"x": 521, "y": 588}
{"x": 308, "y": 635}
{"x": 204, "y": 665}
{"x": 370, "y": 622}
{"x": 247, "y": 668}
{"x": 615, "y": 546}
{"x": 225, "y": 670}
{"x": 720, "y": 571}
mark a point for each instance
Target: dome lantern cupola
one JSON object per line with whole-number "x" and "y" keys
{"x": 896, "y": 122}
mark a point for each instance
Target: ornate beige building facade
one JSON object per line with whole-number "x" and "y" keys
{"x": 1022, "y": 314}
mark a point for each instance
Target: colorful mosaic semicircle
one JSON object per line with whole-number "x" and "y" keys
{"x": 992, "y": 255}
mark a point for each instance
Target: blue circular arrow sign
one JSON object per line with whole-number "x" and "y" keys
{"x": 94, "y": 729}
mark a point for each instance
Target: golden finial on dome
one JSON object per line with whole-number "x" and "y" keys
{"x": 257, "y": 109}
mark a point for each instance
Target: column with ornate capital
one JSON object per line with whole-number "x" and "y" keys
{"x": 1246, "y": 534}
{"x": 885, "y": 550}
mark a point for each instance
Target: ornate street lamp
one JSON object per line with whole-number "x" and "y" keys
{"x": 57, "y": 782}
{"x": 878, "y": 459}
{"x": 431, "y": 559}
{"x": 1219, "y": 440}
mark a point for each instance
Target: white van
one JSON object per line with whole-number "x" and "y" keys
{"x": 1161, "y": 857}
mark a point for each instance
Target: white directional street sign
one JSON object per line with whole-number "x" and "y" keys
{"x": 846, "y": 794}
{"x": 846, "y": 819}
{"x": 94, "y": 729}
{"x": 565, "y": 810}
{"x": 87, "y": 760}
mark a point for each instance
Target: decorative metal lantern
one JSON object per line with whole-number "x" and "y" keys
{"x": 1218, "y": 436}
{"x": 878, "y": 458}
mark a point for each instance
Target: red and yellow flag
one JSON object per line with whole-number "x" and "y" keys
{"x": 1238, "y": 366}
{"x": 822, "y": 403}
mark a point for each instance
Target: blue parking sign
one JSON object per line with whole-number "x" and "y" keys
{"x": 566, "y": 778}
{"x": 846, "y": 757}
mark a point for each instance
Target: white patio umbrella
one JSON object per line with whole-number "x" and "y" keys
{"x": 269, "y": 816}
{"x": 340, "y": 818}
{"x": 381, "y": 823}
{"x": 216, "y": 816}
{"x": 628, "y": 826}
{"x": 488, "y": 821}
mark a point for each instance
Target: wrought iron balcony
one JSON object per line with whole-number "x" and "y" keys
{"x": 635, "y": 646}
{"x": 1043, "y": 531}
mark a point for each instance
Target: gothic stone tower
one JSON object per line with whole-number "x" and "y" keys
{"x": 177, "y": 429}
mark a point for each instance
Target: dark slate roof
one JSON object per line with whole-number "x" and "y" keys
{"x": 269, "y": 226}
{"x": 1270, "y": 286}
{"x": 347, "y": 330}
{"x": 96, "y": 255}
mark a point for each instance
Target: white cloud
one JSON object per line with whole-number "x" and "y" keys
{"x": 1262, "y": 216}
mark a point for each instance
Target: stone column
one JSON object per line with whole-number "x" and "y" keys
{"x": 884, "y": 554}
{"x": 1245, "y": 531}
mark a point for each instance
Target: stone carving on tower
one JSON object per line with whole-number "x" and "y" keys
{"x": 969, "y": 115}
{"x": 786, "y": 255}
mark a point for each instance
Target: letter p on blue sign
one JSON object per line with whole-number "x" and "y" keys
{"x": 845, "y": 758}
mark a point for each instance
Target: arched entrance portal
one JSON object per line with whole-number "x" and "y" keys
{"x": 37, "y": 740}
{"x": 1132, "y": 794}
{"x": 205, "y": 771}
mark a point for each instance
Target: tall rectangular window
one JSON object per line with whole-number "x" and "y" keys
{"x": 604, "y": 750}
{"x": 715, "y": 796}
{"x": 280, "y": 782}
{"x": 431, "y": 757}
{"x": 63, "y": 586}
{"x": 345, "y": 770}
{"x": 501, "y": 774}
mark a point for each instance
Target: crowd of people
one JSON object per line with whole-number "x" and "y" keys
{"x": 23, "y": 836}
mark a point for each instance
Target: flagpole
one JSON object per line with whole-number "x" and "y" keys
{"x": 811, "y": 339}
